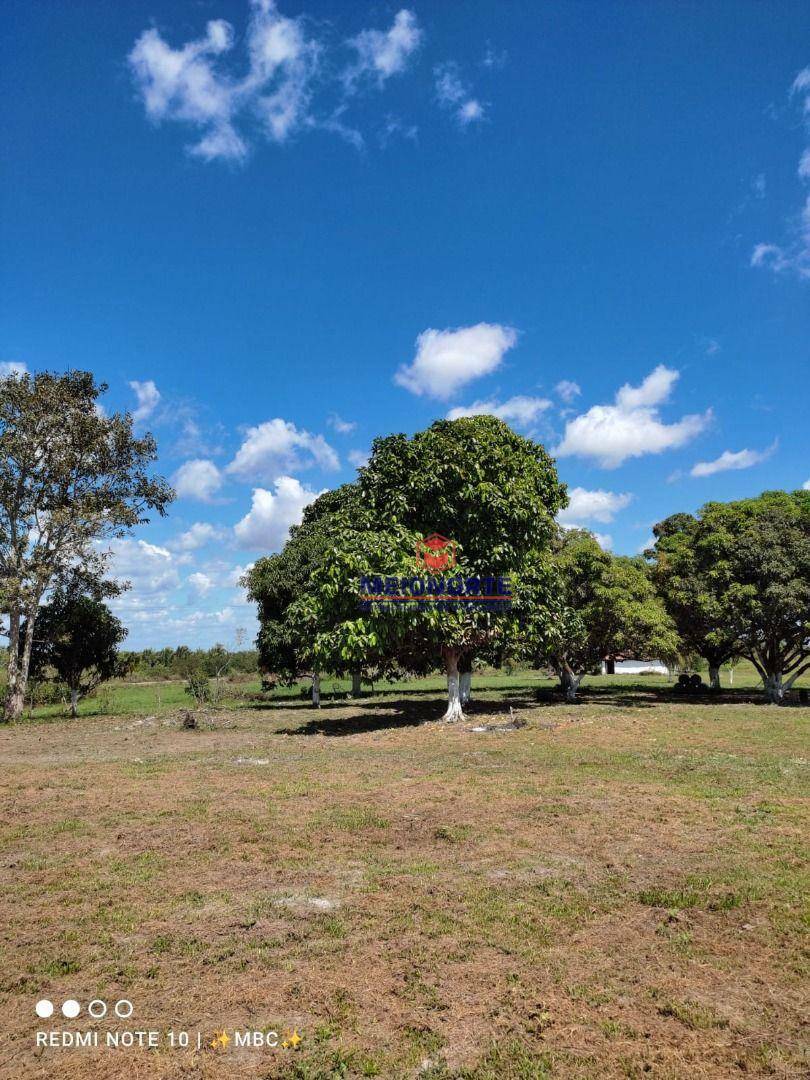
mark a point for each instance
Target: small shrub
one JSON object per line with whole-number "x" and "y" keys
{"x": 198, "y": 686}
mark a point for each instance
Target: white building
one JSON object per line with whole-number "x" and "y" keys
{"x": 637, "y": 667}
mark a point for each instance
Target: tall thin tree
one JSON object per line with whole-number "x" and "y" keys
{"x": 70, "y": 477}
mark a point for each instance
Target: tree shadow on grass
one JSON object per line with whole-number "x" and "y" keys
{"x": 371, "y": 715}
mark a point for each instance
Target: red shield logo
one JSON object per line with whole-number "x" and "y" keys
{"x": 436, "y": 552}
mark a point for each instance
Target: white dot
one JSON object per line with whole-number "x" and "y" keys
{"x": 123, "y": 1009}
{"x": 44, "y": 1008}
{"x": 71, "y": 1008}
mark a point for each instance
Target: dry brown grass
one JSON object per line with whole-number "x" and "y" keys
{"x": 614, "y": 890}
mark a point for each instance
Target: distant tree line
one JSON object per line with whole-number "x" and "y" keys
{"x": 182, "y": 662}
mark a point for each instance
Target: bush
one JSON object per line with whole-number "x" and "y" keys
{"x": 198, "y": 686}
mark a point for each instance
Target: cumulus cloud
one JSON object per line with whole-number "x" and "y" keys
{"x": 806, "y": 485}
{"x": 197, "y": 479}
{"x": 446, "y": 360}
{"x": 631, "y": 427}
{"x": 567, "y": 390}
{"x": 149, "y": 568}
{"x": 519, "y": 410}
{"x": 200, "y": 583}
{"x": 383, "y": 53}
{"x": 453, "y": 94}
{"x": 793, "y": 255}
{"x": 599, "y": 505}
{"x": 147, "y": 396}
{"x": 739, "y": 459}
{"x": 266, "y": 525}
{"x": 276, "y": 447}
{"x": 11, "y": 367}
{"x": 188, "y": 84}
{"x": 197, "y": 536}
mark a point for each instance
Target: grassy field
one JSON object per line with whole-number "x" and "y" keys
{"x": 159, "y": 697}
{"x": 615, "y": 889}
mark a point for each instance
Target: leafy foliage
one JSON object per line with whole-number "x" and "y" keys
{"x": 606, "y": 606}
{"x": 750, "y": 561}
{"x": 77, "y": 637}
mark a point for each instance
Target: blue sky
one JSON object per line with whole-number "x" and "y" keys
{"x": 278, "y": 232}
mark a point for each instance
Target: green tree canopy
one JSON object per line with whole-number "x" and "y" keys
{"x": 77, "y": 636}
{"x": 472, "y": 480}
{"x": 605, "y": 606}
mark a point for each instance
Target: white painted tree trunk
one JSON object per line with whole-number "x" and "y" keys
{"x": 774, "y": 691}
{"x": 316, "y": 691}
{"x": 454, "y": 710}
{"x": 465, "y": 687}
{"x": 357, "y": 684}
{"x": 714, "y": 678}
{"x": 571, "y": 683}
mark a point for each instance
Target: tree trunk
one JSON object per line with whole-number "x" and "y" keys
{"x": 316, "y": 691}
{"x": 357, "y": 684}
{"x": 18, "y": 665}
{"x": 714, "y": 677}
{"x": 74, "y": 701}
{"x": 454, "y": 710}
{"x": 570, "y": 684}
{"x": 465, "y": 687}
{"x": 774, "y": 691}
{"x": 610, "y": 668}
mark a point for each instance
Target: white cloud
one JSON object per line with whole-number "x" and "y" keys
{"x": 186, "y": 85}
{"x": 148, "y": 397}
{"x": 358, "y": 458}
{"x": 654, "y": 390}
{"x": 454, "y": 94}
{"x": 568, "y": 390}
{"x": 740, "y": 459}
{"x": 610, "y": 434}
{"x": 341, "y": 426}
{"x": 197, "y": 536}
{"x": 446, "y": 360}
{"x": 519, "y": 410}
{"x": 383, "y": 53}
{"x": 266, "y": 526}
{"x": 11, "y": 367}
{"x": 200, "y": 583}
{"x": 806, "y": 485}
{"x": 197, "y": 479}
{"x": 276, "y": 447}
{"x": 794, "y": 256}
{"x": 151, "y": 569}
{"x": 599, "y": 505}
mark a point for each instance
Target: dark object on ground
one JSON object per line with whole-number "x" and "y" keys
{"x": 690, "y": 684}
{"x": 189, "y": 721}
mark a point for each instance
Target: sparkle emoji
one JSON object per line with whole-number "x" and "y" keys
{"x": 292, "y": 1041}
{"x": 220, "y": 1041}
